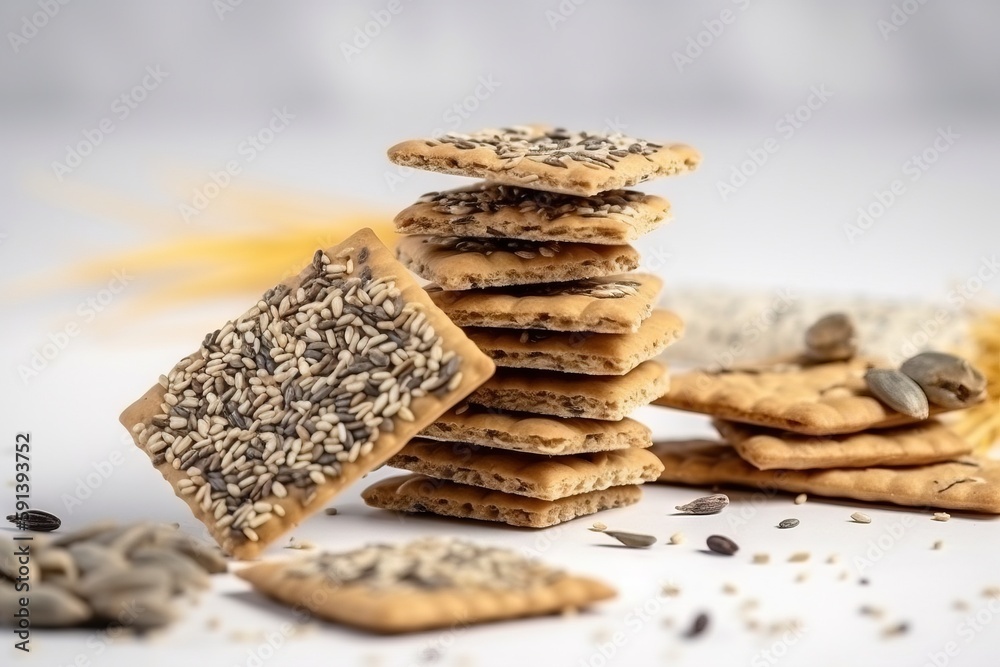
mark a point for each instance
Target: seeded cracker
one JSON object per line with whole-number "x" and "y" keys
{"x": 616, "y": 304}
{"x": 255, "y": 437}
{"x": 456, "y": 263}
{"x": 537, "y": 434}
{"x": 506, "y": 211}
{"x": 431, "y": 583}
{"x": 532, "y": 475}
{"x": 579, "y": 352}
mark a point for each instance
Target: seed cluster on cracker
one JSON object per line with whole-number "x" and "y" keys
{"x": 828, "y": 421}
{"x": 535, "y": 264}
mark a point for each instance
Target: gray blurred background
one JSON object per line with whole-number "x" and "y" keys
{"x": 885, "y": 80}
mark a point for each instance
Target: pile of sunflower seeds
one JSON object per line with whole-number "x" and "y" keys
{"x": 115, "y": 575}
{"x": 275, "y": 402}
{"x": 555, "y": 147}
{"x": 523, "y": 249}
{"x": 491, "y": 198}
{"x": 429, "y": 563}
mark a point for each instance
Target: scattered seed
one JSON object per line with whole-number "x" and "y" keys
{"x": 631, "y": 540}
{"x": 801, "y": 498}
{"x": 788, "y": 523}
{"x": 330, "y": 511}
{"x": 698, "y": 627}
{"x": 799, "y": 557}
{"x": 35, "y": 520}
{"x": 707, "y": 505}
{"x": 671, "y": 590}
{"x": 729, "y": 589}
{"x": 896, "y": 630}
{"x": 599, "y": 527}
{"x": 941, "y": 516}
{"x": 874, "y": 612}
{"x": 832, "y": 558}
{"x": 801, "y": 576}
{"x": 960, "y": 605}
{"x": 761, "y": 559}
{"x": 722, "y": 545}
{"x": 861, "y": 517}
{"x": 947, "y": 380}
{"x": 991, "y": 592}
{"x": 677, "y": 538}
{"x": 831, "y": 338}
{"x": 938, "y": 545}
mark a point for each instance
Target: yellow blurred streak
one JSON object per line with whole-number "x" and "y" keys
{"x": 980, "y": 425}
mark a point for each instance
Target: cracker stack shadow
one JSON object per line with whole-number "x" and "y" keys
{"x": 799, "y": 426}
{"x": 535, "y": 264}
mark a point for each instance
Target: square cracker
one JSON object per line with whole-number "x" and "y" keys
{"x": 767, "y": 449}
{"x": 507, "y": 211}
{"x": 536, "y": 434}
{"x": 971, "y": 484}
{"x": 821, "y": 399}
{"x": 397, "y": 607}
{"x": 570, "y": 395}
{"x": 281, "y": 429}
{"x": 532, "y": 475}
{"x": 545, "y": 158}
{"x": 456, "y": 263}
{"x": 579, "y": 352}
{"x": 615, "y": 305}
{"x": 419, "y": 493}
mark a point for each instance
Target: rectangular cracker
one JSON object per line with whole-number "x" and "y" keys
{"x": 610, "y": 397}
{"x": 917, "y": 444}
{"x": 467, "y": 592}
{"x": 506, "y": 211}
{"x": 532, "y": 475}
{"x": 579, "y": 351}
{"x": 536, "y": 434}
{"x": 456, "y": 263}
{"x": 614, "y": 305}
{"x": 545, "y": 158}
{"x": 821, "y": 399}
{"x": 419, "y": 493}
{"x": 971, "y": 484}
{"x": 275, "y": 428}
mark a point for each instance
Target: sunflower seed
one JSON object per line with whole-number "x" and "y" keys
{"x": 941, "y": 516}
{"x": 632, "y": 540}
{"x": 35, "y": 520}
{"x": 698, "y": 626}
{"x": 861, "y": 517}
{"x": 898, "y": 391}
{"x": 788, "y": 523}
{"x": 707, "y": 505}
{"x": 947, "y": 380}
{"x": 831, "y": 338}
{"x": 51, "y": 606}
{"x": 801, "y": 499}
{"x": 722, "y": 545}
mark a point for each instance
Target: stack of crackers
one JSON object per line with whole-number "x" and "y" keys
{"x": 534, "y": 264}
{"x": 815, "y": 428}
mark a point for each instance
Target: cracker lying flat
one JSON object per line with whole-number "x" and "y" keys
{"x": 550, "y": 159}
{"x": 570, "y": 395}
{"x": 231, "y": 426}
{"x": 431, "y": 583}
{"x": 824, "y": 399}
{"x": 971, "y": 484}
{"x": 536, "y": 434}
{"x": 506, "y": 211}
{"x": 532, "y": 475}
{"x": 615, "y": 304}
{"x": 419, "y": 493}
{"x": 579, "y": 351}
{"x": 456, "y": 263}
{"x": 766, "y": 449}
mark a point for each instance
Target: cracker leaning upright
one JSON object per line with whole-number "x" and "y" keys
{"x": 550, "y": 159}
{"x": 322, "y": 380}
